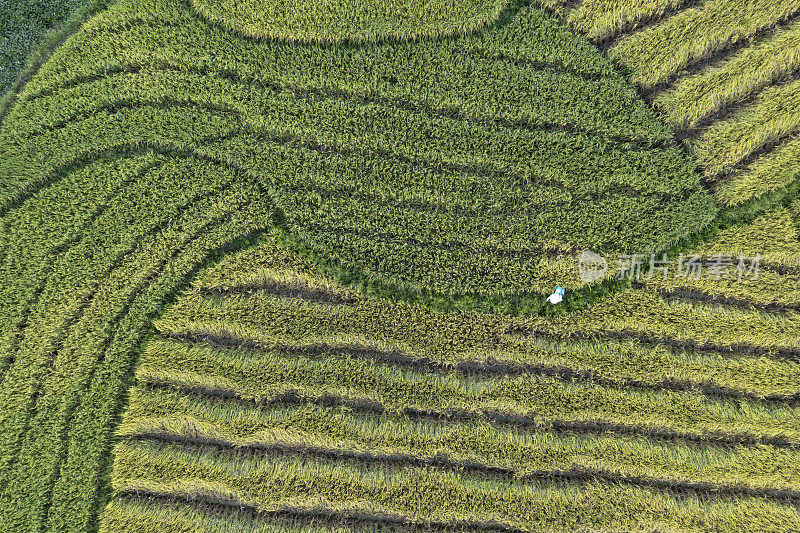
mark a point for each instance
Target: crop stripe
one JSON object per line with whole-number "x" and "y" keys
{"x": 63, "y": 441}
{"x": 703, "y": 297}
{"x": 637, "y": 26}
{"x": 717, "y": 57}
{"x": 472, "y": 368}
{"x": 787, "y": 353}
{"x": 502, "y": 419}
{"x": 573, "y": 475}
{"x": 452, "y": 113}
{"x": 204, "y": 503}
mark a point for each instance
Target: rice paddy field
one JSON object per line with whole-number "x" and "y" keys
{"x": 271, "y": 266}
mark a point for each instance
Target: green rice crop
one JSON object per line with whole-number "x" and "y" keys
{"x": 26, "y": 25}
{"x": 375, "y": 177}
{"x": 72, "y": 362}
{"x": 350, "y": 20}
{"x": 328, "y": 125}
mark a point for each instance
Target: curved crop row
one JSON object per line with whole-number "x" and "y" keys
{"x": 351, "y": 21}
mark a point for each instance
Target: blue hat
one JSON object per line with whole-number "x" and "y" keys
{"x": 560, "y": 291}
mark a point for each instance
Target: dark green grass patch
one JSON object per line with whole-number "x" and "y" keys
{"x": 25, "y": 24}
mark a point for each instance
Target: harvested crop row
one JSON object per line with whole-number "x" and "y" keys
{"x": 163, "y": 414}
{"x": 773, "y": 237}
{"x": 399, "y": 458}
{"x": 727, "y": 60}
{"x": 424, "y": 493}
{"x": 500, "y": 365}
{"x": 266, "y": 374}
{"x": 655, "y": 54}
{"x": 692, "y": 101}
{"x": 772, "y": 172}
{"x": 773, "y": 116}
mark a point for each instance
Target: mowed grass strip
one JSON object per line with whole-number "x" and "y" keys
{"x": 425, "y": 493}
{"x": 655, "y": 54}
